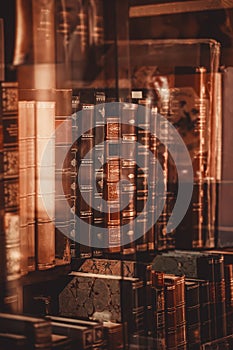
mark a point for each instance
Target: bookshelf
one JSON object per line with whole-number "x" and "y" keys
{"x": 161, "y": 290}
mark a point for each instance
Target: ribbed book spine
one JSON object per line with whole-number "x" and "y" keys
{"x": 85, "y": 176}
{"x": 193, "y": 314}
{"x": 63, "y": 138}
{"x": 128, "y": 176}
{"x": 9, "y": 110}
{"x": 74, "y": 173}
{"x": 142, "y": 174}
{"x": 158, "y": 307}
{"x": 112, "y": 178}
{"x": 27, "y": 182}
{"x": 45, "y": 184}
{"x": 228, "y": 268}
{"x": 99, "y": 137}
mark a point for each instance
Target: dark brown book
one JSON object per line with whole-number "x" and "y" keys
{"x": 60, "y": 342}
{"x": 128, "y": 177}
{"x": 99, "y": 158}
{"x": 102, "y": 297}
{"x": 191, "y": 109}
{"x": 225, "y": 186}
{"x": 37, "y": 330}
{"x": 114, "y": 335}
{"x": 96, "y": 326}
{"x": 193, "y": 314}
{"x": 80, "y": 336}
{"x": 9, "y": 118}
{"x": 175, "y": 317}
{"x": 142, "y": 174}
{"x": 9, "y": 341}
{"x": 85, "y": 174}
{"x": 112, "y": 178}
{"x": 158, "y": 308}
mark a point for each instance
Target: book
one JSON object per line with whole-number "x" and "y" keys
{"x": 85, "y": 171}
{"x": 192, "y": 309}
{"x": 101, "y": 297}
{"x": 27, "y": 183}
{"x": 99, "y": 137}
{"x": 97, "y": 327}
{"x": 158, "y": 307}
{"x": 128, "y": 177}
{"x": 9, "y": 118}
{"x": 45, "y": 184}
{"x": 10, "y": 341}
{"x": 80, "y": 336}
{"x": 63, "y": 142}
{"x": 225, "y": 185}
{"x": 142, "y": 175}
{"x": 114, "y": 335}
{"x": 60, "y": 342}
{"x": 37, "y": 330}
{"x": 112, "y": 177}
{"x": 175, "y": 317}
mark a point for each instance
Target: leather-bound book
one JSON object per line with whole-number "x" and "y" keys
{"x": 128, "y": 176}
{"x": 112, "y": 176}
{"x": 114, "y": 336}
{"x": 99, "y": 137}
{"x": 85, "y": 174}
{"x": 102, "y": 297}
{"x": 193, "y": 314}
{"x": 9, "y": 120}
{"x": 96, "y": 326}
{"x": 37, "y": 330}
{"x": 63, "y": 141}
{"x": 80, "y": 336}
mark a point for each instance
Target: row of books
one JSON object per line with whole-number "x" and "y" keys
{"x": 114, "y": 145}
{"x": 23, "y": 332}
{"x": 181, "y": 301}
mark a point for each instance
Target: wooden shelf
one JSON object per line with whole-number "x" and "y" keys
{"x": 179, "y": 7}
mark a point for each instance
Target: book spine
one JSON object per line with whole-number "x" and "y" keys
{"x": 153, "y": 177}
{"x": 163, "y": 194}
{"x": 9, "y": 109}
{"x": 98, "y": 215}
{"x": 133, "y": 311}
{"x": 112, "y": 178}
{"x": 128, "y": 176}
{"x": 43, "y": 36}
{"x": 23, "y": 181}
{"x": 202, "y": 133}
{"x": 205, "y": 270}
{"x": 193, "y": 314}
{"x": 228, "y": 268}
{"x": 31, "y": 187}
{"x": 205, "y": 310}
{"x": 142, "y": 174}
{"x": 158, "y": 307}
{"x": 220, "y": 296}
{"x": 27, "y": 182}
{"x": 114, "y": 336}
{"x": 63, "y": 141}
{"x": 45, "y": 184}
{"x": 74, "y": 172}
{"x": 170, "y": 316}
{"x": 85, "y": 176}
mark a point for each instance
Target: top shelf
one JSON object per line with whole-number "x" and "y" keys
{"x": 179, "y": 7}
